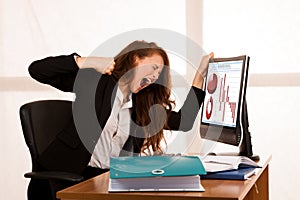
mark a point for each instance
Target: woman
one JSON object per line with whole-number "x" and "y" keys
{"x": 141, "y": 75}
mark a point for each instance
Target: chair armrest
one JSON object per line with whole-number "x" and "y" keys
{"x": 54, "y": 175}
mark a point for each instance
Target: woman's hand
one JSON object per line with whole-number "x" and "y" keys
{"x": 202, "y": 71}
{"x": 104, "y": 65}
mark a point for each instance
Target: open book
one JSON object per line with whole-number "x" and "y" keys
{"x": 225, "y": 163}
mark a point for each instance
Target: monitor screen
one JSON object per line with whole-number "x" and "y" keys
{"x": 225, "y": 90}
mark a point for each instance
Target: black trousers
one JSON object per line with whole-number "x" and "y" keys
{"x": 40, "y": 189}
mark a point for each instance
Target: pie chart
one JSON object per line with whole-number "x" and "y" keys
{"x": 212, "y": 83}
{"x": 209, "y": 108}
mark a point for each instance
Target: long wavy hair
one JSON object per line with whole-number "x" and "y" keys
{"x": 156, "y": 93}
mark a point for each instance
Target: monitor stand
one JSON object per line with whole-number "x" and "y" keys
{"x": 245, "y": 148}
{"x": 246, "y": 144}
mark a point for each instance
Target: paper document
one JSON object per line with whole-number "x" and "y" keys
{"x": 223, "y": 163}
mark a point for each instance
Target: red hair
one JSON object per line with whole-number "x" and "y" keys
{"x": 157, "y": 93}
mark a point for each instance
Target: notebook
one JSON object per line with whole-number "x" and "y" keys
{"x": 239, "y": 174}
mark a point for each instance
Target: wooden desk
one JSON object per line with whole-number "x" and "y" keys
{"x": 255, "y": 188}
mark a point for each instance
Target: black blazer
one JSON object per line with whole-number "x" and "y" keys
{"x": 71, "y": 150}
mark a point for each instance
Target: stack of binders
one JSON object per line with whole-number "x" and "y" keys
{"x": 156, "y": 173}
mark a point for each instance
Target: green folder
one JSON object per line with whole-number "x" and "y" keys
{"x": 153, "y": 166}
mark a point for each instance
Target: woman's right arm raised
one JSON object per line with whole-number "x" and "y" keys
{"x": 60, "y": 71}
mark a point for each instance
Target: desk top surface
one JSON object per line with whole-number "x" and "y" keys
{"x": 97, "y": 187}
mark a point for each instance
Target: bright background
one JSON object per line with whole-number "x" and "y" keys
{"x": 265, "y": 30}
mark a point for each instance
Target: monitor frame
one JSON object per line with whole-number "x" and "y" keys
{"x": 238, "y": 135}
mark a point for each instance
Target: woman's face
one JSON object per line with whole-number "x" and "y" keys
{"x": 146, "y": 72}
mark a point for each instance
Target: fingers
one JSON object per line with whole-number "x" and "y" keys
{"x": 209, "y": 56}
{"x": 110, "y": 69}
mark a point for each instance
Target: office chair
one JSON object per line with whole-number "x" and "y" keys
{"x": 41, "y": 121}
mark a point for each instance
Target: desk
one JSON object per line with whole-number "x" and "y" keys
{"x": 255, "y": 188}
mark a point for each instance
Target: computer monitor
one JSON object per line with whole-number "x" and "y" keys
{"x": 224, "y": 115}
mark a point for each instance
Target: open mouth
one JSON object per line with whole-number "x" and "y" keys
{"x": 145, "y": 81}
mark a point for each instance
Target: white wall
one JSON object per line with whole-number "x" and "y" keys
{"x": 268, "y": 31}
{"x": 43, "y": 28}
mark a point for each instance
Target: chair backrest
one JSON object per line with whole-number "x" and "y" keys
{"x": 41, "y": 122}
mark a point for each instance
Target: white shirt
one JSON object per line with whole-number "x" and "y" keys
{"x": 114, "y": 134}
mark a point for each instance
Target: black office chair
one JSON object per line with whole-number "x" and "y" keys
{"x": 41, "y": 121}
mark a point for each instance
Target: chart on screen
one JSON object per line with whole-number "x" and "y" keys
{"x": 220, "y": 103}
